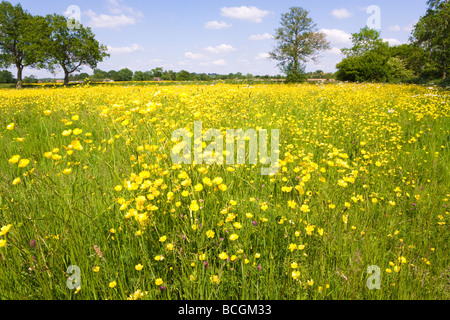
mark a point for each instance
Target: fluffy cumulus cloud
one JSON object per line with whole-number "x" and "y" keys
{"x": 109, "y": 21}
{"x": 258, "y": 37}
{"x": 217, "y": 25}
{"x": 118, "y": 16}
{"x": 392, "y": 41}
{"x": 194, "y": 56}
{"x": 341, "y": 13}
{"x": 115, "y": 7}
{"x": 394, "y": 28}
{"x": 334, "y": 50}
{"x": 218, "y": 63}
{"x": 251, "y": 14}
{"x": 337, "y": 37}
{"x": 127, "y": 49}
{"x": 220, "y": 48}
{"x": 262, "y": 56}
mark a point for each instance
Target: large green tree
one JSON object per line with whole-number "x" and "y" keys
{"x": 432, "y": 33}
{"x": 297, "y": 41}
{"x": 71, "y": 48}
{"x": 365, "y": 40}
{"x": 20, "y": 39}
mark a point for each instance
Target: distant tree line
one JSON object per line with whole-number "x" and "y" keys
{"x": 165, "y": 75}
{"x": 158, "y": 74}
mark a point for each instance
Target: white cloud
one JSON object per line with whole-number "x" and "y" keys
{"x": 258, "y": 37}
{"x": 128, "y": 49}
{"x": 336, "y": 36}
{"x": 108, "y": 21}
{"x": 119, "y": 15}
{"x": 216, "y": 25}
{"x": 219, "y": 63}
{"x": 392, "y": 41}
{"x": 252, "y": 14}
{"x": 116, "y": 8}
{"x": 409, "y": 28}
{"x": 262, "y": 56}
{"x": 394, "y": 28}
{"x": 341, "y": 13}
{"x": 220, "y": 48}
{"x": 194, "y": 56}
{"x": 334, "y": 50}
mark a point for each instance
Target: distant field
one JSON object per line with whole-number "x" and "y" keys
{"x": 87, "y": 180}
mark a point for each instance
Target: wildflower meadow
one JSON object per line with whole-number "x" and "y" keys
{"x": 355, "y": 206}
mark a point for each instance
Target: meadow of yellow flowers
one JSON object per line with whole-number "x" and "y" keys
{"x": 87, "y": 180}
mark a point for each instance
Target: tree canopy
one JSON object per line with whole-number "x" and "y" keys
{"x": 71, "y": 48}
{"x": 297, "y": 42}
{"x": 20, "y": 39}
{"x": 432, "y": 33}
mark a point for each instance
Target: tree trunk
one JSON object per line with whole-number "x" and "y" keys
{"x": 19, "y": 77}
{"x": 66, "y": 77}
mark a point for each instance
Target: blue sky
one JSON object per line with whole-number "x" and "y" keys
{"x": 220, "y": 36}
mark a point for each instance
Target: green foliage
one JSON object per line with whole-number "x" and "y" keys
{"x": 370, "y": 67}
{"x": 125, "y": 74}
{"x": 183, "y": 75}
{"x": 432, "y": 33}
{"x": 414, "y": 57}
{"x": 71, "y": 48}
{"x": 6, "y": 77}
{"x": 398, "y": 70}
{"x": 30, "y": 79}
{"x": 372, "y": 60}
{"x": 364, "y": 41}
{"x": 295, "y": 78}
{"x": 20, "y": 39}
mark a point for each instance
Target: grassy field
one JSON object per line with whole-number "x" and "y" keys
{"x": 87, "y": 180}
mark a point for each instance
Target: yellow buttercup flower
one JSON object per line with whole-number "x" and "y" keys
{"x": 138, "y": 267}
{"x": 194, "y": 206}
{"x": 23, "y": 163}
{"x": 223, "y": 256}
{"x": 14, "y": 159}
{"x": 233, "y": 237}
{"x": 304, "y": 208}
{"x": 4, "y": 230}
{"x": 210, "y": 234}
